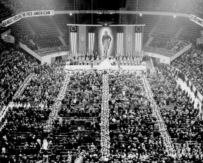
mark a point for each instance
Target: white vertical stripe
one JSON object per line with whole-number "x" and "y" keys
{"x": 76, "y": 44}
{"x": 121, "y": 45}
{"x": 93, "y": 42}
{"x": 140, "y": 42}
{"x": 122, "y": 48}
{"x": 135, "y": 43}
{"x": 138, "y": 49}
{"x": 88, "y": 42}
{"x": 119, "y": 39}
{"x": 71, "y": 42}
{"x": 117, "y": 49}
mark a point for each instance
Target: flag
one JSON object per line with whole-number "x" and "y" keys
{"x": 138, "y": 39}
{"x": 73, "y": 39}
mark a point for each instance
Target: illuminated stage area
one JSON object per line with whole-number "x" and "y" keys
{"x": 105, "y": 65}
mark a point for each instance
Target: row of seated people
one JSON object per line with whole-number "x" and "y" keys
{"x": 179, "y": 115}
{"x": 133, "y": 134}
{"x": 88, "y": 60}
{"x": 190, "y": 63}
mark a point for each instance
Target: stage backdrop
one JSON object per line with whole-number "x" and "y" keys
{"x": 106, "y": 41}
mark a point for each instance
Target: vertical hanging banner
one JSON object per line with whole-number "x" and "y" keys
{"x": 138, "y": 39}
{"x": 82, "y": 39}
{"x": 73, "y": 39}
{"x": 120, "y": 42}
{"x": 106, "y": 41}
{"x": 91, "y": 43}
{"x": 19, "y": 16}
{"x": 91, "y": 32}
{"x": 129, "y": 36}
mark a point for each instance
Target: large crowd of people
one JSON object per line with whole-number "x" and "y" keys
{"x": 180, "y": 115}
{"x": 190, "y": 64}
{"x": 133, "y": 132}
{"x": 15, "y": 67}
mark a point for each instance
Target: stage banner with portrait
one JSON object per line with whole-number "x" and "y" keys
{"x": 103, "y": 40}
{"x": 107, "y": 41}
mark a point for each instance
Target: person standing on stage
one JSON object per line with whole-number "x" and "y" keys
{"x": 106, "y": 40}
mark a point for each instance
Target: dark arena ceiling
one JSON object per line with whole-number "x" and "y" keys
{"x": 12, "y": 7}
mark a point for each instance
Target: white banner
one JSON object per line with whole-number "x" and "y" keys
{"x": 11, "y": 20}
{"x": 37, "y": 13}
{"x": 17, "y": 17}
{"x": 196, "y": 19}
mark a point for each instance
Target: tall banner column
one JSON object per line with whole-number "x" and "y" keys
{"x": 129, "y": 40}
{"x": 82, "y": 39}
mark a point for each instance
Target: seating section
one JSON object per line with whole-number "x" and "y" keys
{"x": 179, "y": 114}
{"x": 62, "y": 21}
{"x": 134, "y": 134}
{"x": 182, "y": 6}
{"x": 46, "y": 34}
{"x": 167, "y": 38}
{"x": 190, "y": 63}
{"x": 78, "y": 127}
{"x": 191, "y": 31}
{"x": 168, "y": 27}
{"x": 132, "y": 127}
{"x": 15, "y": 67}
{"x": 149, "y": 22}
{"x": 45, "y": 85}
